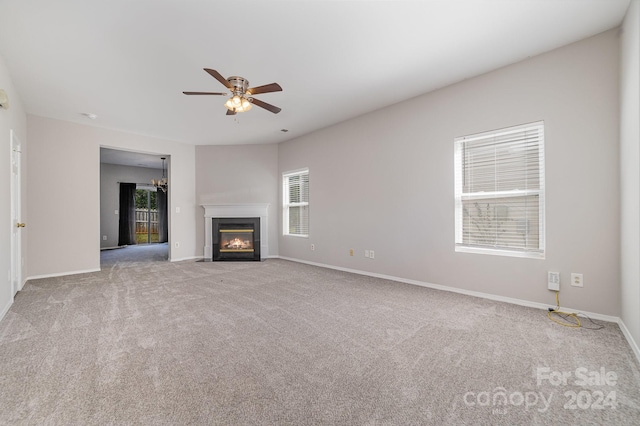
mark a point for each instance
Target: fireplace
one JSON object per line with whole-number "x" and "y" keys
{"x": 236, "y": 211}
{"x": 236, "y": 238}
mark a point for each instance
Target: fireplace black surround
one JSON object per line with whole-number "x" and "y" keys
{"x": 236, "y": 239}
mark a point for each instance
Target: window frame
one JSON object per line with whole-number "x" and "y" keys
{"x": 459, "y": 144}
{"x": 286, "y": 204}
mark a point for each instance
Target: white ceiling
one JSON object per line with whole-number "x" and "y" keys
{"x": 128, "y": 61}
{"x": 135, "y": 159}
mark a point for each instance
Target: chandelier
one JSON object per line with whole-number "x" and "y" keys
{"x": 161, "y": 184}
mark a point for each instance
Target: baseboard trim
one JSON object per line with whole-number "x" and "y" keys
{"x": 6, "y": 309}
{"x": 62, "y": 274}
{"x": 186, "y": 258}
{"x": 630, "y": 339}
{"x": 514, "y": 301}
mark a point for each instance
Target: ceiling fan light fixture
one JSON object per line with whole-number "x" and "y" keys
{"x": 238, "y": 104}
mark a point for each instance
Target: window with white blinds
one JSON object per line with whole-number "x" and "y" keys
{"x": 295, "y": 209}
{"x": 499, "y": 192}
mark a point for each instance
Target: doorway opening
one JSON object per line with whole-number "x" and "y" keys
{"x": 147, "y": 209}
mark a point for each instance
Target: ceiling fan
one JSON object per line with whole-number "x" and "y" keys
{"x": 241, "y": 94}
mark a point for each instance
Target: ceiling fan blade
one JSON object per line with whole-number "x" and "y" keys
{"x": 267, "y": 88}
{"x": 229, "y": 112}
{"x": 268, "y": 107}
{"x": 215, "y": 74}
{"x": 205, "y": 93}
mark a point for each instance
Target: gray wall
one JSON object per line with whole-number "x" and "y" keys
{"x": 235, "y": 175}
{"x": 630, "y": 170}
{"x": 15, "y": 119}
{"x": 384, "y": 181}
{"x": 110, "y": 176}
{"x": 65, "y": 218}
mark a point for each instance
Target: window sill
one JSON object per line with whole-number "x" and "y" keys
{"x": 498, "y": 252}
{"x": 295, "y": 235}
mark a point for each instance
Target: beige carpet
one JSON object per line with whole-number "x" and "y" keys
{"x": 147, "y": 341}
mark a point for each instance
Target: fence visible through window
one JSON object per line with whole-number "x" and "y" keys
{"x": 146, "y": 216}
{"x": 146, "y": 226}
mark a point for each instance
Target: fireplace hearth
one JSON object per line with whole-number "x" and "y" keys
{"x": 236, "y": 239}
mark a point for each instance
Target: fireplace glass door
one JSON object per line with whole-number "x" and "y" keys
{"x": 236, "y": 238}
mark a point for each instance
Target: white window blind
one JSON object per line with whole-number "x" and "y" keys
{"x": 499, "y": 191}
{"x": 296, "y": 203}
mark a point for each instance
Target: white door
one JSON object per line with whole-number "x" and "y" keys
{"x": 16, "y": 224}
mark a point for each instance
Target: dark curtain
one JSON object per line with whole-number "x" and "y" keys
{"x": 127, "y": 224}
{"x": 163, "y": 223}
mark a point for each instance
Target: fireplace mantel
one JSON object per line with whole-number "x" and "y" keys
{"x": 235, "y": 210}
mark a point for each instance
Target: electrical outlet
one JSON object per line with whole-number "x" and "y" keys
{"x": 350, "y": 252}
{"x": 553, "y": 281}
{"x": 313, "y": 247}
{"x": 371, "y": 254}
{"x": 176, "y": 244}
{"x": 104, "y": 238}
{"x": 366, "y": 253}
{"x": 577, "y": 280}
